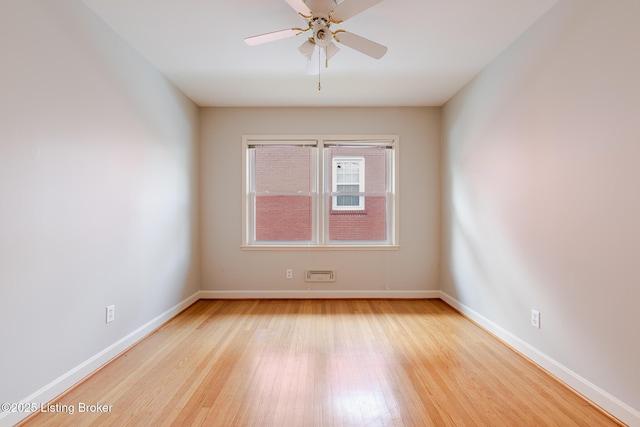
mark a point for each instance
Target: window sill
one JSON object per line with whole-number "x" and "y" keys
{"x": 348, "y": 212}
{"x": 320, "y": 248}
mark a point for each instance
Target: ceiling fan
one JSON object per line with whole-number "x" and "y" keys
{"x": 320, "y": 15}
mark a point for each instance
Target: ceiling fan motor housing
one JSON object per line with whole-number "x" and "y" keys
{"x": 321, "y": 33}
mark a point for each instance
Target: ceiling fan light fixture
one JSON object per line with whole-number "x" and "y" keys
{"x": 307, "y": 48}
{"x": 319, "y": 56}
{"x": 332, "y": 49}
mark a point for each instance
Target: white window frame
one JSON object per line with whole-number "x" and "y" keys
{"x": 321, "y": 198}
{"x": 334, "y": 183}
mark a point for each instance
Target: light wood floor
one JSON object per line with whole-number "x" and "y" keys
{"x": 323, "y": 363}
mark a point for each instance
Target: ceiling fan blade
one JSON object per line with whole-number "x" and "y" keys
{"x": 320, "y": 7}
{"x": 349, "y": 8}
{"x": 273, "y": 36}
{"x": 361, "y": 44}
{"x": 299, "y": 6}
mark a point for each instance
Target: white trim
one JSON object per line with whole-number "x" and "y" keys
{"x": 590, "y": 391}
{"x": 66, "y": 381}
{"x": 319, "y": 294}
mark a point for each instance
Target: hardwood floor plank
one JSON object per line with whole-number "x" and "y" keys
{"x": 323, "y": 363}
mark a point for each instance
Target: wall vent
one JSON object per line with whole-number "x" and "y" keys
{"x": 320, "y": 276}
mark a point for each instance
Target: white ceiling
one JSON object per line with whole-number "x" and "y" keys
{"x": 435, "y": 48}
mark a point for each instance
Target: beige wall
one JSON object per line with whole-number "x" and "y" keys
{"x": 97, "y": 193}
{"x": 226, "y": 267}
{"x": 542, "y": 206}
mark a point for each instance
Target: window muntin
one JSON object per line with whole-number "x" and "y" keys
{"x": 353, "y": 207}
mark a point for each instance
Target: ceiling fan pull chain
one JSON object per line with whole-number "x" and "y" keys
{"x": 319, "y": 69}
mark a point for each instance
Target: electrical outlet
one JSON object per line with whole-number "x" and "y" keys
{"x": 289, "y": 273}
{"x": 535, "y": 318}
{"x": 111, "y": 313}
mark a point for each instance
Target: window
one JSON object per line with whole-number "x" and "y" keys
{"x": 319, "y": 192}
{"x": 348, "y": 183}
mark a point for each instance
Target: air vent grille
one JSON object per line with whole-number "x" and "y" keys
{"x": 320, "y": 276}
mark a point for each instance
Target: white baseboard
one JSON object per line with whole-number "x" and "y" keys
{"x": 307, "y": 294}
{"x": 595, "y": 394}
{"x": 60, "y": 385}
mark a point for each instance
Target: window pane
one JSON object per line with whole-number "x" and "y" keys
{"x": 283, "y": 193}
{"x": 353, "y": 217}
{"x": 283, "y": 169}
{"x": 280, "y": 218}
{"x": 365, "y": 225}
{"x": 348, "y": 200}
